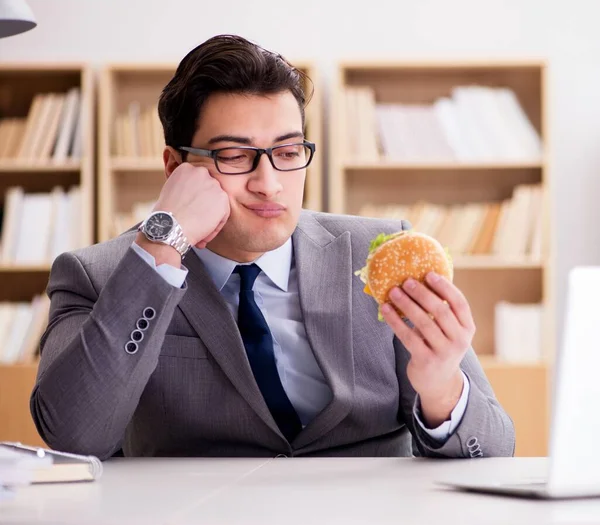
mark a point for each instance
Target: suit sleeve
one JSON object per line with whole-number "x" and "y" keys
{"x": 91, "y": 376}
{"x": 485, "y": 428}
{"x": 174, "y": 276}
{"x": 444, "y": 430}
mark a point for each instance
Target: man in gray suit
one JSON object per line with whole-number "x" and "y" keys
{"x": 230, "y": 323}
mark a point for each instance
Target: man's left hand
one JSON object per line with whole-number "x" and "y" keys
{"x": 442, "y": 334}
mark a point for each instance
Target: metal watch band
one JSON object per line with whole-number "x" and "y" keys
{"x": 179, "y": 241}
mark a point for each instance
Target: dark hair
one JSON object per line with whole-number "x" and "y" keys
{"x": 223, "y": 64}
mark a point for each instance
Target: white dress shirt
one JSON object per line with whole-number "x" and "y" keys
{"x": 276, "y": 294}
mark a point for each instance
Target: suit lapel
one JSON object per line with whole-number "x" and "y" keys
{"x": 325, "y": 286}
{"x": 207, "y": 311}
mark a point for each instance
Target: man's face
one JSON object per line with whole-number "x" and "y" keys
{"x": 266, "y": 203}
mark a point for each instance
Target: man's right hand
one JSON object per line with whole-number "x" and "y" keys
{"x": 197, "y": 202}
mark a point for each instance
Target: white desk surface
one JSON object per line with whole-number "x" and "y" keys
{"x": 292, "y": 491}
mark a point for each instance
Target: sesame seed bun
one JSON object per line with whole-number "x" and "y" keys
{"x": 405, "y": 254}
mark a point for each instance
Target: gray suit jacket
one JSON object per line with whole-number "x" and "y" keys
{"x": 189, "y": 390}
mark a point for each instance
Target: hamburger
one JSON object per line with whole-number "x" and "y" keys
{"x": 393, "y": 258}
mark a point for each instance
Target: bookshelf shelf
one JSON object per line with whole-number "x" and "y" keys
{"x": 458, "y": 148}
{"x": 17, "y": 424}
{"x": 136, "y": 164}
{"x": 16, "y": 166}
{"x": 47, "y": 201}
{"x": 128, "y": 124}
{"x": 18, "y": 268}
{"x": 442, "y": 166}
{"x": 483, "y": 262}
{"x": 495, "y": 67}
{"x": 492, "y": 363}
{"x": 518, "y": 387}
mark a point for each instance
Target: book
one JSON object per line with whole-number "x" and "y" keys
{"x": 511, "y": 228}
{"x": 61, "y": 467}
{"x": 472, "y": 123}
{"x": 518, "y": 332}
{"x": 18, "y": 469}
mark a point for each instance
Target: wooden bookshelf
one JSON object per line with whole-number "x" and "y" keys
{"x": 383, "y": 165}
{"x": 24, "y": 167}
{"x": 314, "y": 189}
{"x": 124, "y": 181}
{"x": 16, "y": 384}
{"x": 407, "y": 167}
{"x": 39, "y": 167}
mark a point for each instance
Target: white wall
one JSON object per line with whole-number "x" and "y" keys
{"x": 565, "y": 33}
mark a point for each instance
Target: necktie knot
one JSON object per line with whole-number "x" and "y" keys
{"x": 248, "y": 274}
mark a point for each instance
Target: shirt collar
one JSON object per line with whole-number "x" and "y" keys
{"x": 275, "y": 264}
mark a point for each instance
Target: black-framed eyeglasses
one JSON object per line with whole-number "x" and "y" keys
{"x": 240, "y": 160}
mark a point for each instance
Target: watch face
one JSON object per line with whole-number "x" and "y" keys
{"x": 159, "y": 226}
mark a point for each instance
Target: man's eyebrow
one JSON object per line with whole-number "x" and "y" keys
{"x": 230, "y": 138}
{"x": 291, "y": 135}
{"x": 248, "y": 140}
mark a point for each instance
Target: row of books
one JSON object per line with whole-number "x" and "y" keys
{"x": 21, "y": 327}
{"x": 37, "y": 227}
{"x": 518, "y": 332}
{"x": 51, "y": 131}
{"x": 125, "y": 220}
{"x": 473, "y": 124}
{"x": 511, "y": 228}
{"x": 138, "y": 132}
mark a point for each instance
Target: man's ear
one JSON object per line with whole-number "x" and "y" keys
{"x": 171, "y": 159}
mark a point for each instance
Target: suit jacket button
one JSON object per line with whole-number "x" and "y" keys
{"x": 474, "y": 447}
{"x": 137, "y": 336}
{"x": 142, "y": 324}
{"x": 149, "y": 313}
{"x": 131, "y": 347}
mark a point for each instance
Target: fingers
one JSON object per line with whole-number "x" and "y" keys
{"x": 457, "y": 301}
{"x": 221, "y": 225}
{"x": 202, "y": 244}
{"x": 215, "y": 232}
{"x": 413, "y": 343}
{"x": 432, "y": 304}
{"x": 420, "y": 318}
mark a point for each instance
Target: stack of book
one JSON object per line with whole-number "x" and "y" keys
{"x": 126, "y": 220}
{"x": 52, "y": 219}
{"x": 518, "y": 332}
{"x": 510, "y": 229}
{"x": 51, "y": 132}
{"x": 138, "y": 132}
{"x": 474, "y": 124}
{"x": 21, "y": 327}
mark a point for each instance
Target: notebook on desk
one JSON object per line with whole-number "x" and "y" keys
{"x": 61, "y": 467}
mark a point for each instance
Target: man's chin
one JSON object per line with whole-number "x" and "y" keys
{"x": 265, "y": 243}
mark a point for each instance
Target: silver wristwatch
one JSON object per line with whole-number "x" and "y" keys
{"x": 161, "y": 227}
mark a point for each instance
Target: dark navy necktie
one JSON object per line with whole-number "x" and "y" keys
{"x": 258, "y": 342}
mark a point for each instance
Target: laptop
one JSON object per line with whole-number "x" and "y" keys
{"x": 574, "y": 456}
